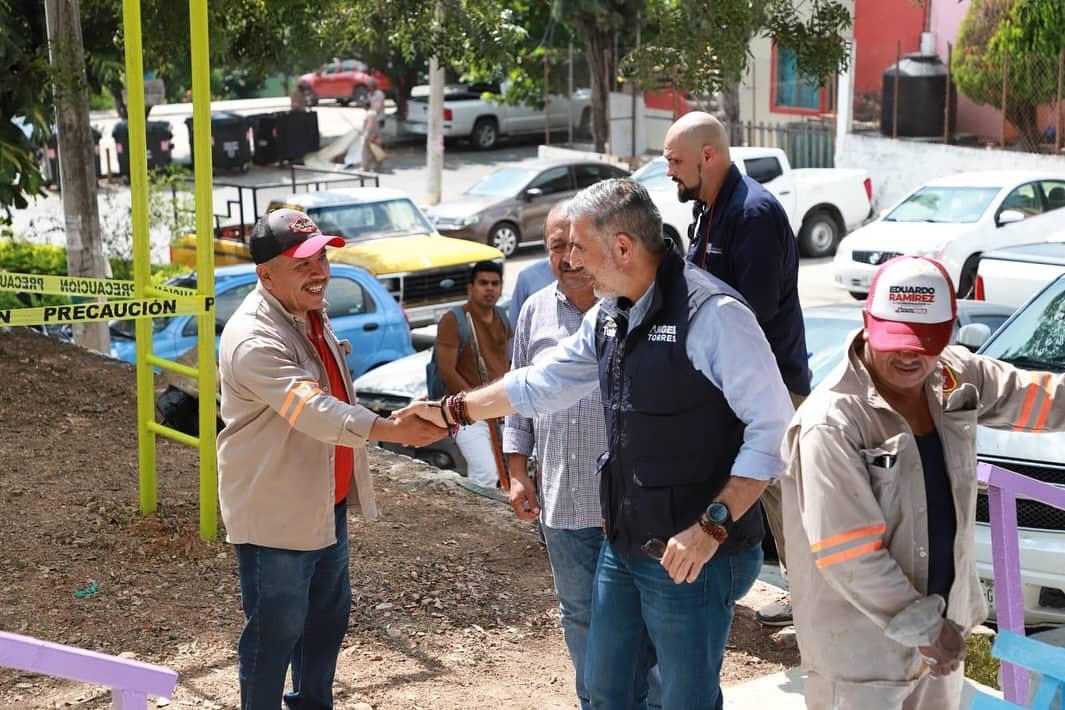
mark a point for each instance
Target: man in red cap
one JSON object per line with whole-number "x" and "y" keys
{"x": 294, "y": 438}
{"x": 880, "y": 497}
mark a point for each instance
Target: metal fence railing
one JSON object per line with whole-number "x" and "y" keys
{"x": 919, "y": 100}
{"x": 808, "y": 144}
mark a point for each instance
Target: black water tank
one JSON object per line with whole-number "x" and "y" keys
{"x": 922, "y": 97}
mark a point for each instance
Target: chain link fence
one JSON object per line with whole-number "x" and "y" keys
{"x": 1014, "y": 101}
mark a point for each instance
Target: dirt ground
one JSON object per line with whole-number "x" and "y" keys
{"x": 452, "y": 597}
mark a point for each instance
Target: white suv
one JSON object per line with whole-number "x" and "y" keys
{"x": 1034, "y": 338}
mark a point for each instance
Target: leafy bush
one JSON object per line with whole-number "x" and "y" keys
{"x": 24, "y": 258}
{"x": 980, "y": 665}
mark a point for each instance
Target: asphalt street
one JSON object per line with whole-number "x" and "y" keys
{"x": 404, "y": 169}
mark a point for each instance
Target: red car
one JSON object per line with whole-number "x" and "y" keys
{"x": 345, "y": 81}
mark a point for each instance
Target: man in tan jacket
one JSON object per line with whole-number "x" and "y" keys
{"x": 293, "y": 438}
{"x": 880, "y": 498}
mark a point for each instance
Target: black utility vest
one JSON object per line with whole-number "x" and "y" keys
{"x": 672, "y": 436}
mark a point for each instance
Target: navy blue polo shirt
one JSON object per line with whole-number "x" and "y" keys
{"x": 744, "y": 238}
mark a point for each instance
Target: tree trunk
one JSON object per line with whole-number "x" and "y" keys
{"x": 1026, "y": 122}
{"x": 77, "y": 166}
{"x": 731, "y": 103}
{"x": 597, "y": 45}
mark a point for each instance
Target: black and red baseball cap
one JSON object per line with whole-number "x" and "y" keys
{"x": 289, "y": 232}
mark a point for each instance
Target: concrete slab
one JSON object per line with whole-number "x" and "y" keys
{"x": 784, "y": 691}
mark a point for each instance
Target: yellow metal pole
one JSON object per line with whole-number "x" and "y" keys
{"x": 205, "y": 350}
{"x": 138, "y": 180}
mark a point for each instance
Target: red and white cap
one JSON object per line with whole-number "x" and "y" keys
{"x": 911, "y": 306}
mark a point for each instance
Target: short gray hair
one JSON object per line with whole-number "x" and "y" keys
{"x": 620, "y": 205}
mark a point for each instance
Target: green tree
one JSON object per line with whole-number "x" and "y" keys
{"x": 24, "y": 81}
{"x": 398, "y": 36}
{"x": 1024, "y": 36}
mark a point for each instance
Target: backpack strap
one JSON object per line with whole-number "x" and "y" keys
{"x": 464, "y": 328}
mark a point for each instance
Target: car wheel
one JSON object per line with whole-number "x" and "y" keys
{"x": 967, "y": 280}
{"x": 858, "y": 296}
{"x": 360, "y": 94}
{"x": 485, "y": 134}
{"x": 819, "y": 235}
{"x": 504, "y": 237}
{"x": 309, "y": 97}
{"x": 343, "y": 102}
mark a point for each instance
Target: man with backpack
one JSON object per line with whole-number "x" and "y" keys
{"x": 465, "y": 359}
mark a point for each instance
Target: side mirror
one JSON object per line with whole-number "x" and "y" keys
{"x": 1009, "y": 217}
{"x": 974, "y": 335}
{"x": 532, "y": 193}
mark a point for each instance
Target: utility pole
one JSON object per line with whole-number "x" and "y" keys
{"x": 77, "y": 169}
{"x": 434, "y": 139}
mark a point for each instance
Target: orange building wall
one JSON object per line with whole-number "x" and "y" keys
{"x": 878, "y": 25}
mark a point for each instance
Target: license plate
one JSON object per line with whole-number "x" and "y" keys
{"x": 989, "y": 592}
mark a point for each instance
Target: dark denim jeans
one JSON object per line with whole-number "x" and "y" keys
{"x": 573, "y": 555}
{"x": 296, "y": 608}
{"x": 688, "y": 625}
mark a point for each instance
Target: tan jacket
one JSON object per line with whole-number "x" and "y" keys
{"x": 856, "y": 518}
{"x": 276, "y": 454}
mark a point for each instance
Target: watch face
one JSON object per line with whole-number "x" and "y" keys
{"x": 717, "y": 512}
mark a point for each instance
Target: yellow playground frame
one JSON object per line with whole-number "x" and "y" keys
{"x": 147, "y": 427}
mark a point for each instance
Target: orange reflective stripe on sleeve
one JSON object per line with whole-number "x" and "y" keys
{"x": 298, "y": 396}
{"x": 847, "y": 537}
{"x": 1037, "y": 392}
{"x": 850, "y": 554}
{"x": 303, "y": 398}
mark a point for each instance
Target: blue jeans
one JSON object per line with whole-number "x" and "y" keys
{"x": 296, "y": 607}
{"x": 688, "y": 624}
{"x": 573, "y": 555}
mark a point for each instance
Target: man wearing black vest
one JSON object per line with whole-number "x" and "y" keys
{"x": 695, "y": 410}
{"x": 741, "y": 235}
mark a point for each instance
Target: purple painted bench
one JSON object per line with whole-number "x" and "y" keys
{"x": 131, "y": 682}
{"x": 1004, "y": 487}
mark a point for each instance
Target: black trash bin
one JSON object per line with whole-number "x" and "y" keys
{"x": 230, "y": 147}
{"x": 285, "y": 136}
{"x": 264, "y": 132}
{"x": 160, "y": 144}
{"x": 51, "y": 152}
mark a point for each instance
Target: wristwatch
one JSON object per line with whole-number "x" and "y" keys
{"x": 716, "y": 521}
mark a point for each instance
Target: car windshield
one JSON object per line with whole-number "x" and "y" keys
{"x": 955, "y": 205}
{"x": 503, "y": 182}
{"x": 1035, "y": 338}
{"x": 126, "y": 328}
{"x": 653, "y": 176}
{"x": 826, "y": 341}
{"x": 371, "y": 220}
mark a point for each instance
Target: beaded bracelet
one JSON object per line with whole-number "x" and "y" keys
{"x": 462, "y": 412}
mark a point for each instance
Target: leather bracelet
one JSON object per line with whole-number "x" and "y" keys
{"x": 443, "y": 413}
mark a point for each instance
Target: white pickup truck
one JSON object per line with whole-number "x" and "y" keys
{"x": 822, "y": 204}
{"x": 1012, "y": 275}
{"x": 468, "y": 114}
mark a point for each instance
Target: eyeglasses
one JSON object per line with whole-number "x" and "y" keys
{"x": 654, "y": 548}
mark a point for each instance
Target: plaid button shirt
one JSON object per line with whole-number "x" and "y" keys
{"x": 568, "y": 442}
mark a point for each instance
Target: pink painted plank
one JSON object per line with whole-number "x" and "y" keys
{"x": 1004, "y": 487}
{"x": 30, "y": 654}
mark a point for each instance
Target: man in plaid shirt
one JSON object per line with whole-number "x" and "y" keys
{"x": 568, "y": 443}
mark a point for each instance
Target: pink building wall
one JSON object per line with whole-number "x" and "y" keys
{"x": 985, "y": 121}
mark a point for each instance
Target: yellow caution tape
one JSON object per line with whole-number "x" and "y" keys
{"x": 77, "y": 286}
{"x": 117, "y": 310}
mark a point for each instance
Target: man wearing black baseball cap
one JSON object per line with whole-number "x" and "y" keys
{"x": 294, "y": 438}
